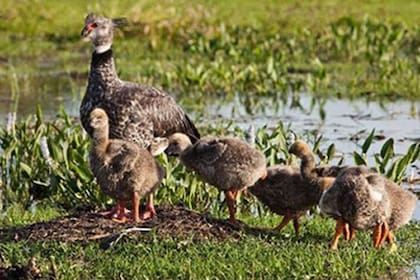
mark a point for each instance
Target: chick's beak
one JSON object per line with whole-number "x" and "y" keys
{"x": 170, "y": 151}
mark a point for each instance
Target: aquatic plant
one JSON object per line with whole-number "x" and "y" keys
{"x": 387, "y": 162}
{"x": 45, "y": 160}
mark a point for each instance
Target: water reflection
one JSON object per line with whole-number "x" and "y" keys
{"x": 22, "y": 93}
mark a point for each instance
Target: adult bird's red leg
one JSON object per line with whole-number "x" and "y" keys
{"x": 339, "y": 229}
{"x": 110, "y": 213}
{"x": 150, "y": 211}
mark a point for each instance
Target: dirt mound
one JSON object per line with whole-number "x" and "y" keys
{"x": 171, "y": 221}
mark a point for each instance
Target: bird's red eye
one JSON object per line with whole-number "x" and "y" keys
{"x": 91, "y": 26}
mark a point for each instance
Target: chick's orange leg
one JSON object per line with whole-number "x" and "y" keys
{"x": 296, "y": 224}
{"x": 384, "y": 233}
{"x": 150, "y": 211}
{"x": 391, "y": 240}
{"x": 377, "y": 234}
{"x": 136, "y": 205}
{"x": 339, "y": 229}
{"x": 284, "y": 222}
{"x": 352, "y": 233}
{"x": 230, "y": 200}
{"x": 346, "y": 232}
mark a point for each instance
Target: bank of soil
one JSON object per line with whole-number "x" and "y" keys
{"x": 171, "y": 221}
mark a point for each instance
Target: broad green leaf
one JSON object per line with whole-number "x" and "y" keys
{"x": 388, "y": 148}
{"x": 358, "y": 159}
{"x": 331, "y": 151}
{"x": 368, "y": 142}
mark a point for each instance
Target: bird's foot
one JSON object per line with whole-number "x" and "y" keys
{"x": 109, "y": 213}
{"x": 113, "y": 212}
{"x": 122, "y": 218}
{"x": 148, "y": 213}
{"x": 333, "y": 246}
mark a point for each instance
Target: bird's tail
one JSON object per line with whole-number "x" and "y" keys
{"x": 191, "y": 130}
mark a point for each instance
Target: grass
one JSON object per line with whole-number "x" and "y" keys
{"x": 282, "y": 256}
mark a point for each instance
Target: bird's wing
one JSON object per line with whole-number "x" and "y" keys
{"x": 125, "y": 155}
{"x": 209, "y": 151}
{"x": 161, "y": 110}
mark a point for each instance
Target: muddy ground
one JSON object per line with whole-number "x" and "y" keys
{"x": 85, "y": 225}
{"x": 171, "y": 221}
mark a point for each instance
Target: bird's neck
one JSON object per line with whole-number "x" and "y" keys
{"x": 102, "y": 69}
{"x": 307, "y": 165}
{"x": 100, "y": 141}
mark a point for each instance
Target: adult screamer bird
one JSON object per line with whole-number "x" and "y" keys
{"x": 137, "y": 113}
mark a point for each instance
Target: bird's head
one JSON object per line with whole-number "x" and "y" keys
{"x": 300, "y": 149}
{"x": 178, "y": 142}
{"x": 98, "y": 119}
{"x": 100, "y": 30}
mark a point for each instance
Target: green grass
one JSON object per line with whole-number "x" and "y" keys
{"x": 282, "y": 256}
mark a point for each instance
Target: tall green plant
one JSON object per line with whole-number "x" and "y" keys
{"x": 386, "y": 160}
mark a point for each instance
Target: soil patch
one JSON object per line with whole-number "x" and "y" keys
{"x": 171, "y": 221}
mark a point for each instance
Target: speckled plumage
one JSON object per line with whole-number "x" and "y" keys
{"x": 137, "y": 113}
{"x": 121, "y": 167}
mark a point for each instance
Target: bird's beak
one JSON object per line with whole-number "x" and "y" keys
{"x": 87, "y": 29}
{"x": 171, "y": 152}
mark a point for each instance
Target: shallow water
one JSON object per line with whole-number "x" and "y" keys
{"x": 341, "y": 122}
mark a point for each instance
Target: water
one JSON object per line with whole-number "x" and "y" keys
{"x": 344, "y": 122}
